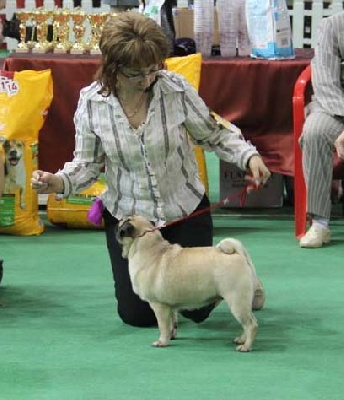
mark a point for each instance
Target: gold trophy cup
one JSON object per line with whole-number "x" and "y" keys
{"x": 23, "y": 17}
{"x": 42, "y": 45}
{"x": 79, "y": 18}
{"x": 61, "y": 41}
{"x": 97, "y": 21}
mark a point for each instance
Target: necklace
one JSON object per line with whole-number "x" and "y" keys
{"x": 136, "y": 109}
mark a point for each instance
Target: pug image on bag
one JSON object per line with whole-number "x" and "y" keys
{"x": 171, "y": 278}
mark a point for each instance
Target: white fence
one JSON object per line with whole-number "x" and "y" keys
{"x": 305, "y": 16}
{"x": 305, "y": 21}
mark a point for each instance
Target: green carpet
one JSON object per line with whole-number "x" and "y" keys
{"x": 60, "y": 336}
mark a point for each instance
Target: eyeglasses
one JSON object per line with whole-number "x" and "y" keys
{"x": 138, "y": 76}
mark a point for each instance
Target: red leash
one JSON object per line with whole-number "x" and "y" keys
{"x": 242, "y": 195}
{"x": 95, "y": 213}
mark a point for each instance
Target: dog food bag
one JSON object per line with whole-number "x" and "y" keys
{"x": 24, "y": 99}
{"x": 190, "y": 67}
{"x": 72, "y": 211}
{"x": 269, "y": 29}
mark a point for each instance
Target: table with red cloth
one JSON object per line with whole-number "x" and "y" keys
{"x": 256, "y": 95}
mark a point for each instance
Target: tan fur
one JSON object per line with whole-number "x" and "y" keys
{"x": 171, "y": 278}
{"x": 15, "y": 172}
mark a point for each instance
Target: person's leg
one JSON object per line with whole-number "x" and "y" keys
{"x": 193, "y": 232}
{"x": 123, "y": 5}
{"x": 168, "y": 6}
{"x": 118, "y": 9}
{"x": 318, "y": 136}
{"x": 1, "y": 269}
{"x": 131, "y": 309}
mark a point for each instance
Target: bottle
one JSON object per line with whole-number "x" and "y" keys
{"x": 204, "y": 26}
{"x": 244, "y": 43}
{"x": 228, "y": 27}
{"x": 233, "y": 28}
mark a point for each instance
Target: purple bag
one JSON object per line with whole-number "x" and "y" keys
{"x": 95, "y": 213}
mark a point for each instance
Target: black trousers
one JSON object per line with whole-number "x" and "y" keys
{"x": 193, "y": 232}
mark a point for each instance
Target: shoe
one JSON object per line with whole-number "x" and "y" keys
{"x": 201, "y": 314}
{"x": 315, "y": 237}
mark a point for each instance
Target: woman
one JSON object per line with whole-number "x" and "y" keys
{"x": 134, "y": 121}
{"x": 2, "y": 186}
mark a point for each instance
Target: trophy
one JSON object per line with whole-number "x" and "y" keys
{"x": 97, "y": 21}
{"x": 23, "y": 17}
{"x": 61, "y": 42}
{"x": 79, "y": 17}
{"x": 41, "y": 18}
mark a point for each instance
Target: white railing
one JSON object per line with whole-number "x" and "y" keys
{"x": 300, "y": 14}
{"x": 304, "y": 21}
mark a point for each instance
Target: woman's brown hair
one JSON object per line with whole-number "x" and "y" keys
{"x": 132, "y": 40}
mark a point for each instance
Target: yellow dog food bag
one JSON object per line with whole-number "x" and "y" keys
{"x": 24, "y": 99}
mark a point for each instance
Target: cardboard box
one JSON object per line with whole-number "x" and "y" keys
{"x": 183, "y": 22}
{"x": 232, "y": 182}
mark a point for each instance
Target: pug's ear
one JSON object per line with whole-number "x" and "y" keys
{"x": 126, "y": 230}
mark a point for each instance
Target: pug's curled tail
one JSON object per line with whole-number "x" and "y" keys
{"x": 231, "y": 246}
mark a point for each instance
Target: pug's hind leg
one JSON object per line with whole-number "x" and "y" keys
{"x": 164, "y": 316}
{"x": 174, "y": 325}
{"x": 250, "y": 326}
{"x": 240, "y": 307}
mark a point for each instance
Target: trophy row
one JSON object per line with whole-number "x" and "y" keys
{"x": 60, "y": 31}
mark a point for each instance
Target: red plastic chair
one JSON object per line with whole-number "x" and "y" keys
{"x": 301, "y": 96}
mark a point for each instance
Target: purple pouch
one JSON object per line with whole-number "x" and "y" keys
{"x": 95, "y": 213}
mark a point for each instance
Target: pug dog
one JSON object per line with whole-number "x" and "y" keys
{"x": 170, "y": 278}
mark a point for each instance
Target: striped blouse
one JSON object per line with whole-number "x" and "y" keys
{"x": 151, "y": 171}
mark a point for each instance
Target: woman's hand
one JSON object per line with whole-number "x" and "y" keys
{"x": 46, "y": 182}
{"x": 339, "y": 146}
{"x": 259, "y": 173}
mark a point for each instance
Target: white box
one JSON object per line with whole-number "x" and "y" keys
{"x": 182, "y": 3}
{"x": 232, "y": 182}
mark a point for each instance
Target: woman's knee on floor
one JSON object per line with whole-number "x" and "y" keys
{"x": 140, "y": 316}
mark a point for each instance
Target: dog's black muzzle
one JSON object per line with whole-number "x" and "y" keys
{"x": 124, "y": 229}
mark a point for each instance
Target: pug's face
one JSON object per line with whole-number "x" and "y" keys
{"x": 129, "y": 229}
